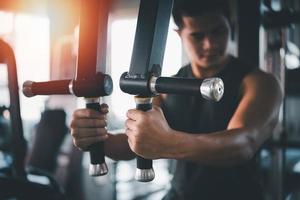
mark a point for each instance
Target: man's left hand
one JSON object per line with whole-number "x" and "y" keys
{"x": 149, "y": 134}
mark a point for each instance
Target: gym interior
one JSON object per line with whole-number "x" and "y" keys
{"x": 44, "y": 46}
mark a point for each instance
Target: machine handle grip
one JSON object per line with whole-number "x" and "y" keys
{"x": 98, "y": 166}
{"x": 97, "y": 86}
{"x": 144, "y": 171}
{"x": 31, "y": 88}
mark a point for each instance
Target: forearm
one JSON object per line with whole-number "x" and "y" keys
{"x": 224, "y": 148}
{"x": 116, "y": 147}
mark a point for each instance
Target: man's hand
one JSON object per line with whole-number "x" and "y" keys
{"x": 89, "y": 126}
{"x": 149, "y": 134}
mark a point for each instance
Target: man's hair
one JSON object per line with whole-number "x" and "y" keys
{"x": 195, "y": 8}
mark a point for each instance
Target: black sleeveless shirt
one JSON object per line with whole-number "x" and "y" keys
{"x": 196, "y": 115}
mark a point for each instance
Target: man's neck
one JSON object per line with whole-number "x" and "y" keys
{"x": 206, "y": 72}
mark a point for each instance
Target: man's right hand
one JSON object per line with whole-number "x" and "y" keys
{"x": 89, "y": 126}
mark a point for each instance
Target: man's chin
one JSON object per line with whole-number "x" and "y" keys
{"x": 207, "y": 64}
{"x": 210, "y": 61}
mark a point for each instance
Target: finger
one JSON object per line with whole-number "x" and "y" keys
{"x": 88, "y": 132}
{"x": 88, "y": 113}
{"x": 130, "y": 124}
{"x": 84, "y": 143}
{"x": 88, "y": 123}
{"x": 129, "y": 132}
{"x": 135, "y": 114}
{"x": 104, "y": 108}
{"x": 133, "y": 146}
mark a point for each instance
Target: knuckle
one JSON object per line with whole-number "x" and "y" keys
{"x": 74, "y": 114}
{"x": 101, "y": 123}
{"x": 76, "y": 143}
{"x": 100, "y": 131}
{"x": 105, "y": 123}
{"x": 73, "y": 123}
{"x": 73, "y": 133}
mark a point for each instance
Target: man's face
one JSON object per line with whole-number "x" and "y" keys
{"x": 205, "y": 38}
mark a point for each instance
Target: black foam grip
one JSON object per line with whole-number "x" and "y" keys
{"x": 96, "y": 150}
{"x": 143, "y": 163}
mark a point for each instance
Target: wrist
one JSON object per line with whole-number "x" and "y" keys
{"x": 173, "y": 145}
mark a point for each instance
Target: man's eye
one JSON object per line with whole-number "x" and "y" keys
{"x": 198, "y": 36}
{"x": 219, "y": 31}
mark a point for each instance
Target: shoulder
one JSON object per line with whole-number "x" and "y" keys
{"x": 262, "y": 83}
{"x": 261, "y": 78}
{"x": 184, "y": 71}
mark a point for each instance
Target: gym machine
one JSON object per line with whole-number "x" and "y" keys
{"x": 90, "y": 82}
{"x": 143, "y": 79}
{"x": 16, "y": 180}
{"x": 274, "y": 47}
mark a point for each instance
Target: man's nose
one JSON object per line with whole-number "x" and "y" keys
{"x": 208, "y": 43}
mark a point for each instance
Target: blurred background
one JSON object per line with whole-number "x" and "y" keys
{"x": 44, "y": 37}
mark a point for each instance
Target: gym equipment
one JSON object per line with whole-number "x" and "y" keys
{"x": 15, "y": 180}
{"x": 5, "y": 132}
{"x": 275, "y": 35}
{"x": 49, "y": 135}
{"x": 90, "y": 82}
{"x": 143, "y": 78}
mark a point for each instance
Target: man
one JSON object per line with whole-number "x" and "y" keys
{"x": 214, "y": 143}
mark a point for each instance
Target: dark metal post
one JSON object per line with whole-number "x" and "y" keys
{"x": 143, "y": 78}
{"x": 90, "y": 82}
{"x": 18, "y": 147}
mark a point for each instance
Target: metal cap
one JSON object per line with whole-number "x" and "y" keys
{"x": 143, "y": 100}
{"x": 144, "y": 175}
{"x": 212, "y": 89}
{"x": 27, "y": 89}
{"x": 98, "y": 169}
{"x": 108, "y": 85}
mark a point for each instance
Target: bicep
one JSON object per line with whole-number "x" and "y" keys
{"x": 260, "y": 102}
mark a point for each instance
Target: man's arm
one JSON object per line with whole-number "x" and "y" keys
{"x": 116, "y": 147}
{"x": 250, "y": 126}
{"x": 89, "y": 126}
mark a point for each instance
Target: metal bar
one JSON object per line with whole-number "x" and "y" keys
{"x": 147, "y": 56}
{"x": 18, "y": 142}
{"x": 248, "y": 31}
{"x": 93, "y": 37}
{"x": 91, "y": 81}
{"x": 91, "y": 61}
{"x": 150, "y": 37}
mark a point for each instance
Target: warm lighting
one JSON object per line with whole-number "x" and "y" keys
{"x": 29, "y": 37}
{"x": 33, "y": 58}
{"x": 6, "y": 20}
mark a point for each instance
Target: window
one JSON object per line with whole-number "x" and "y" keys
{"x": 29, "y": 37}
